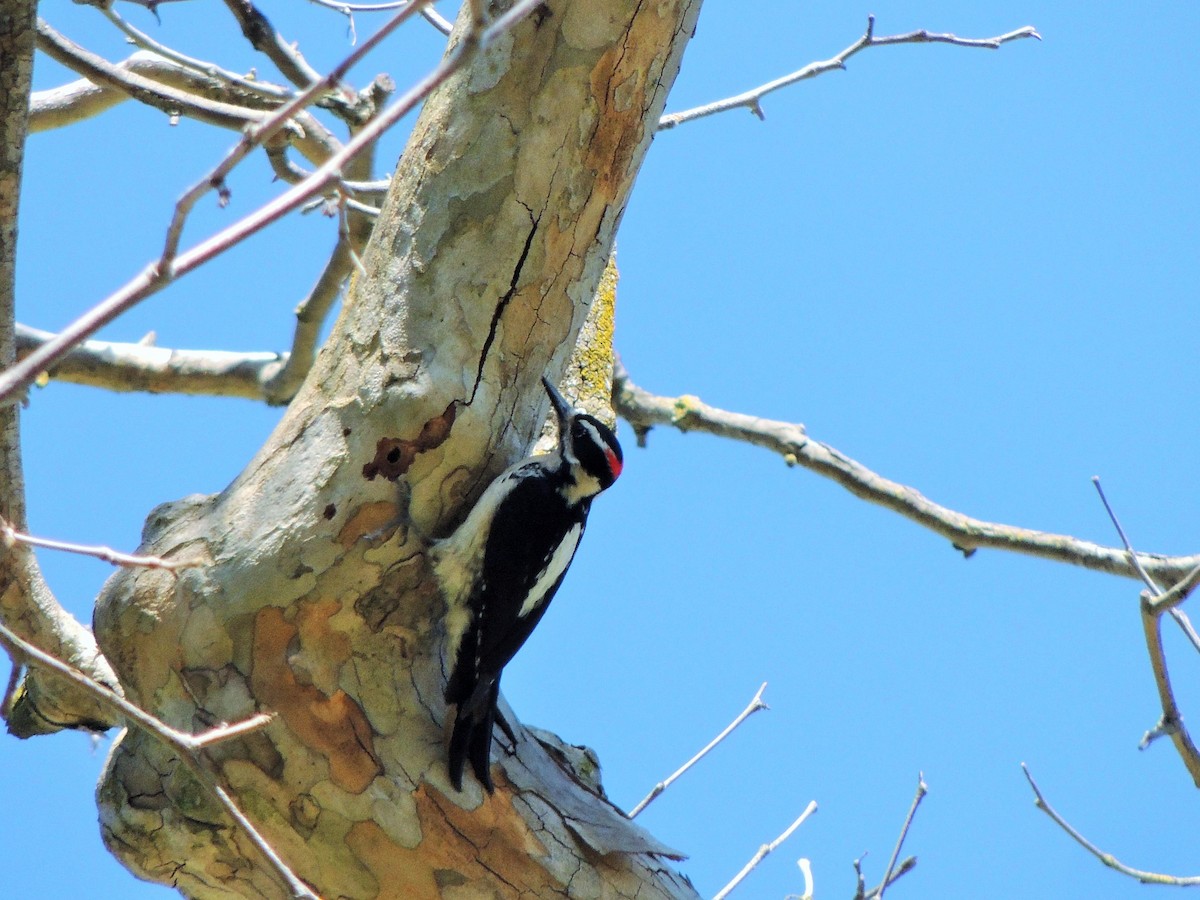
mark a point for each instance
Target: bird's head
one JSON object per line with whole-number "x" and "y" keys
{"x": 586, "y": 444}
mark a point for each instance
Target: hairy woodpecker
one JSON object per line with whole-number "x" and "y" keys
{"x": 500, "y": 568}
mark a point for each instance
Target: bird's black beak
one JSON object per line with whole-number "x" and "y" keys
{"x": 562, "y": 409}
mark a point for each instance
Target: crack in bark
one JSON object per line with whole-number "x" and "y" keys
{"x": 503, "y": 304}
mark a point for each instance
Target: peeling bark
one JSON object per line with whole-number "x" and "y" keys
{"x": 317, "y": 602}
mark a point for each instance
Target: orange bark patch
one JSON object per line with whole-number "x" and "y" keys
{"x": 332, "y": 725}
{"x": 489, "y": 845}
{"x": 393, "y": 456}
{"x": 367, "y": 519}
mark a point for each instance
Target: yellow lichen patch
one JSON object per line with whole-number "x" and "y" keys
{"x": 367, "y": 519}
{"x": 459, "y": 848}
{"x": 332, "y": 725}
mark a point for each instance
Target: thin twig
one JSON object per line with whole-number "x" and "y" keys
{"x": 430, "y": 14}
{"x": 189, "y": 747}
{"x": 10, "y": 536}
{"x": 1107, "y": 858}
{"x": 269, "y": 127}
{"x": 764, "y": 851}
{"x": 756, "y": 703}
{"x": 752, "y": 98}
{"x": 157, "y": 276}
{"x": 922, "y": 790}
{"x": 905, "y": 866}
{"x": 644, "y": 410}
{"x": 265, "y": 89}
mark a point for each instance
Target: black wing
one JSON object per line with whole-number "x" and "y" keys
{"x": 530, "y": 520}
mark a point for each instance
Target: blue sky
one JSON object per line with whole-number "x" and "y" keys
{"x": 973, "y": 271}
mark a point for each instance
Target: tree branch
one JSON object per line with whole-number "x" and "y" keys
{"x": 158, "y": 370}
{"x": 752, "y": 98}
{"x": 152, "y": 93}
{"x": 9, "y": 537}
{"x": 176, "y": 90}
{"x": 43, "y": 704}
{"x": 263, "y": 37}
{"x": 1154, "y": 603}
{"x": 756, "y": 703}
{"x": 922, "y": 790}
{"x": 644, "y": 410}
{"x": 1107, "y": 858}
{"x": 764, "y": 851}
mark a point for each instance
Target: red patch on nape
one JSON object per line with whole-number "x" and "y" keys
{"x": 614, "y": 464}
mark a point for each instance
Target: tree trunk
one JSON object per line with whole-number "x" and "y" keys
{"x": 316, "y": 601}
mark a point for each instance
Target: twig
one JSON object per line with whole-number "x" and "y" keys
{"x": 1107, "y": 858}
{"x": 272, "y": 125}
{"x": 269, "y": 92}
{"x": 764, "y": 851}
{"x": 905, "y": 866}
{"x": 10, "y": 536}
{"x": 430, "y": 14}
{"x": 756, "y": 703}
{"x": 644, "y": 410}
{"x": 752, "y": 98}
{"x": 922, "y": 790}
{"x": 1153, "y": 604}
{"x": 157, "y": 275}
{"x": 189, "y": 747}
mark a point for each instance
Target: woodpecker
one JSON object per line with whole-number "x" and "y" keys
{"x": 499, "y": 570}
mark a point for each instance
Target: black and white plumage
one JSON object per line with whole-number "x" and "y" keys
{"x": 501, "y": 567}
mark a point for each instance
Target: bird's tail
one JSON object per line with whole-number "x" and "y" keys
{"x": 472, "y": 735}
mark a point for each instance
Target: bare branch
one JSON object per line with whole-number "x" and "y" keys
{"x": 263, "y": 37}
{"x": 160, "y": 273}
{"x": 39, "y": 705}
{"x": 158, "y": 370}
{"x": 430, "y": 14}
{"x": 752, "y": 98}
{"x": 1154, "y": 603}
{"x": 310, "y": 315}
{"x": 922, "y": 790}
{"x": 905, "y": 866}
{"x": 756, "y": 703}
{"x": 1172, "y": 721}
{"x": 152, "y": 93}
{"x": 764, "y": 851}
{"x": 272, "y": 93}
{"x": 10, "y": 536}
{"x": 1107, "y": 858}
{"x": 188, "y": 747}
{"x": 644, "y": 410}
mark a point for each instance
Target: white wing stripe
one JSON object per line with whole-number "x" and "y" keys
{"x": 556, "y": 565}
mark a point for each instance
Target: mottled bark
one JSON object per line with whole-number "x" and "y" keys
{"x": 43, "y": 704}
{"x": 316, "y": 602}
